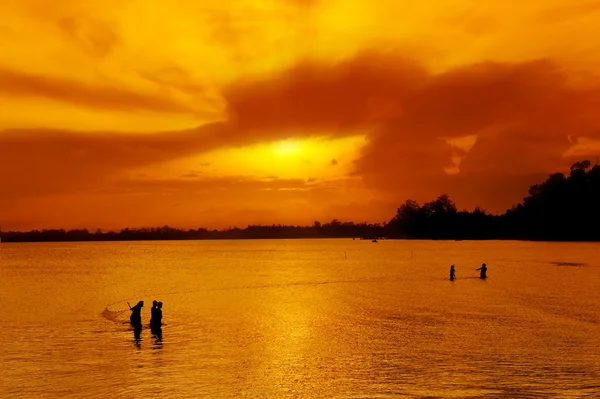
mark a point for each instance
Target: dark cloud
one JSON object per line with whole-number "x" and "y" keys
{"x": 334, "y": 98}
{"x": 521, "y": 114}
{"x": 191, "y": 175}
{"x": 43, "y": 162}
{"x": 525, "y": 117}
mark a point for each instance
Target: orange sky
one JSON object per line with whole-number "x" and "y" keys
{"x": 213, "y": 114}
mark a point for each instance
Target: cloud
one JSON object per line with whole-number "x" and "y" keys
{"x": 213, "y": 184}
{"x": 522, "y": 115}
{"x": 16, "y": 83}
{"x": 521, "y": 119}
{"x": 569, "y": 11}
{"x": 216, "y": 202}
{"x": 336, "y": 97}
{"x": 518, "y": 119}
{"x": 48, "y": 162}
{"x": 44, "y": 162}
{"x": 192, "y": 174}
{"x": 94, "y": 36}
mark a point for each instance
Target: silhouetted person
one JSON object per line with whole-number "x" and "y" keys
{"x": 136, "y": 314}
{"x": 452, "y": 273}
{"x": 159, "y": 314}
{"x": 153, "y": 313}
{"x": 483, "y": 271}
{"x": 156, "y": 324}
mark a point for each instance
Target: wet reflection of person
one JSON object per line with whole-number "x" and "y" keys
{"x": 483, "y": 271}
{"x": 157, "y": 336}
{"x": 137, "y": 336}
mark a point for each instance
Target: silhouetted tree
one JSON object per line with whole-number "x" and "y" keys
{"x": 581, "y": 165}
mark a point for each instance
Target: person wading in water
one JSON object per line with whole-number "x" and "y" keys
{"x": 483, "y": 271}
{"x": 153, "y": 316}
{"x": 136, "y": 314}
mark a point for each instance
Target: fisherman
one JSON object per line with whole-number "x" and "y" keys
{"x": 136, "y": 314}
{"x": 452, "y": 273}
{"x": 483, "y": 271}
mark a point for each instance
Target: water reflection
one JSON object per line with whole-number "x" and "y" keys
{"x": 137, "y": 336}
{"x": 156, "y": 333}
{"x": 157, "y": 337}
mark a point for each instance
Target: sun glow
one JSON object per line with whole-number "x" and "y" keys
{"x": 287, "y": 147}
{"x": 310, "y": 158}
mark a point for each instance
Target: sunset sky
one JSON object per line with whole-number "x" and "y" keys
{"x": 213, "y": 114}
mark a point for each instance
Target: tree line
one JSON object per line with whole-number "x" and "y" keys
{"x": 561, "y": 208}
{"x": 333, "y": 229}
{"x": 565, "y": 208}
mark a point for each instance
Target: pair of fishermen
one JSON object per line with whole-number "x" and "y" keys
{"x": 482, "y": 272}
{"x": 155, "y": 314}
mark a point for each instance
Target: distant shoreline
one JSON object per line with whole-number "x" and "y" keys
{"x": 561, "y": 209}
{"x": 292, "y": 238}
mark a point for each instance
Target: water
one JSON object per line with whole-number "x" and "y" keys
{"x": 301, "y": 319}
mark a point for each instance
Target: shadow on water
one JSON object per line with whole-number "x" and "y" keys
{"x": 576, "y": 264}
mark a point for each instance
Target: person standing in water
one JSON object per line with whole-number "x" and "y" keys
{"x": 136, "y": 314}
{"x": 159, "y": 315}
{"x": 452, "y": 273}
{"x": 156, "y": 325}
{"x": 483, "y": 271}
{"x": 153, "y": 313}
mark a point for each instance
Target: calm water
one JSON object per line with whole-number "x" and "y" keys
{"x": 301, "y": 319}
